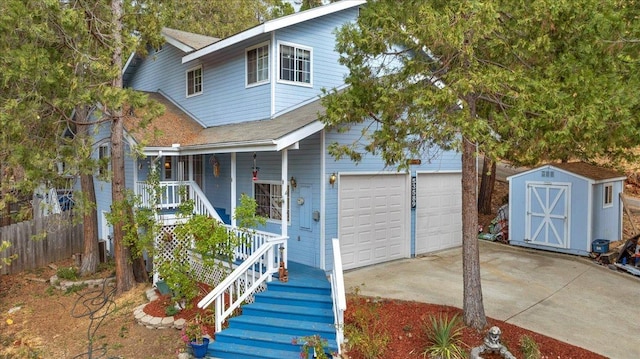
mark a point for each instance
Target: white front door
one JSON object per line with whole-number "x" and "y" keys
{"x": 373, "y": 218}
{"x": 548, "y": 214}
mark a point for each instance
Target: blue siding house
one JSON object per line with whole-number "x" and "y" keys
{"x": 565, "y": 207}
{"x": 242, "y": 118}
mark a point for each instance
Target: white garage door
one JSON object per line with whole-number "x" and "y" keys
{"x": 373, "y": 219}
{"x": 438, "y": 211}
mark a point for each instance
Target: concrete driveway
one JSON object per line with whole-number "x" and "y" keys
{"x": 565, "y": 297}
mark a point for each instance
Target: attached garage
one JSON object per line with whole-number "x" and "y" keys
{"x": 564, "y": 207}
{"x": 374, "y": 218}
{"x": 438, "y": 211}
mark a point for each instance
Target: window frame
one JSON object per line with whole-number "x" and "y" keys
{"x": 296, "y": 70}
{"x": 193, "y": 70}
{"x": 167, "y": 171}
{"x": 607, "y": 195}
{"x": 271, "y": 199}
{"x": 257, "y": 70}
{"x": 103, "y": 152}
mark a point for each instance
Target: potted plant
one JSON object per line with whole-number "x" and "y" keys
{"x": 194, "y": 333}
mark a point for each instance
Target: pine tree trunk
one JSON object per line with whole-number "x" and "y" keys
{"x": 90, "y": 256}
{"x": 124, "y": 270}
{"x": 488, "y": 180}
{"x": 473, "y": 306}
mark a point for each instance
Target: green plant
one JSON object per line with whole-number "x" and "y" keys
{"x": 171, "y": 310}
{"x": 194, "y": 330}
{"x": 68, "y": 273}
{"x": 314, "y": 345}
{"x": 529, "y": 348}
{"x": 365, "y": 330}
{"x": 175, "y": 272}
{"x": 444, "y": 337}
{"x": 75, "y": 288}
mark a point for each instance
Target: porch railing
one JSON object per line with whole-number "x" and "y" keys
{"x": 245, "y": 279}
{"x": 170, "y": 197}
{"x": 338, "y": 293}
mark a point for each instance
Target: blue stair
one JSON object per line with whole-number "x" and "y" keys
{"x": 285, "y": 312}
{"x": 226, "y": 219}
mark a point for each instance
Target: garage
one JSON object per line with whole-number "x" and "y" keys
{"x": 438, "y": 211}
{"x": 373, "y": 218}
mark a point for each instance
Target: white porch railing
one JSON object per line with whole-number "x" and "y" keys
{"x": 338, "y": 293}
{"x": 258, "y": 268}
{"x": 170, "y": 197}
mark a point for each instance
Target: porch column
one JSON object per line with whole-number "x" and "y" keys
{"x": 285, "y": 203}
{"x": 234, "y": 185}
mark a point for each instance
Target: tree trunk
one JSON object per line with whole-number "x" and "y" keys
{"x": 486, "y": 185}
{"x": 124, "y": 270}
{"x": 473, "y": 306}
{"x": 90, "y": 255}
{"x": 137, "y": 261}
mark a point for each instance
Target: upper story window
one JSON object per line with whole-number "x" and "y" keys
{"x": 608, "y": 196}
{"x": 194, "y": 81}
{"x": 103, "y": 160}
{"x": 268, "y": 196}
{"x": 295, "y": 64}
{"x": 258, "y": 64}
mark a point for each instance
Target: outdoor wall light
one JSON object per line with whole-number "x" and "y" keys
{"x": 293, "y": 182}
{"x": 332, "y": 179}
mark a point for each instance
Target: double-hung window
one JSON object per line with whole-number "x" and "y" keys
{"x": 268, "y": 196}
{"x": 257, "y": 64}
{"x": 103, "y": 160}
{"x": 194, "y": 81}
{"x": 295, "y": 64}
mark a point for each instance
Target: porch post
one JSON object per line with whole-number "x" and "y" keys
{"x": 234, "y": 185}
{"x": 285, "y": 203}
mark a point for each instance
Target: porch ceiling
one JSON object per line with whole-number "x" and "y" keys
{"x": 176, "y": 127}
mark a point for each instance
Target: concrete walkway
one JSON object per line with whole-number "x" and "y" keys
{"x": 565, "y": 297}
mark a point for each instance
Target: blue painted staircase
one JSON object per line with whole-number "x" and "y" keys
{"x": 286, "y": 311}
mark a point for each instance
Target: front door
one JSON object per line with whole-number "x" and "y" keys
{"x": 548, "y": 214}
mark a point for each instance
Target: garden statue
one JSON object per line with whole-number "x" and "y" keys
{"x": 492, "y": 345}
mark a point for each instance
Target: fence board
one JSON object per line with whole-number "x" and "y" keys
{"x": 62, "y": 239}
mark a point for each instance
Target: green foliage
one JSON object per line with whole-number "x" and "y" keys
{"x": 444, "y": 337}
{"x": 313, "y": 346}
{"x": 5, "y": 261}
{"x": 529, "y": 348}
{"x": 75, "y": 288}
{"x": 365, "y": 332}
{"x": 176, "y": 273}
{"x": 69, "y": 273}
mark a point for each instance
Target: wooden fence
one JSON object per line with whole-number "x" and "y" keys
{"x": 40, "y": 241}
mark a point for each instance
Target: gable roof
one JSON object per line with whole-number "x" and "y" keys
{"x": 187, "y": 41}
{"x": 273, "y": 25}
{"x": 175, "y": 130}
{"x": 585, "y": 170}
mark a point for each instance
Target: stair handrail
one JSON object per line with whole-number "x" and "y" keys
{"x": 170, "y": 197}
{"x": 338, "y": 293}
{"x": 267, "y": 257}
{"x": 201, "y": 204}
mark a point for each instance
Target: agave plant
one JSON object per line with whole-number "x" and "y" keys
{"x": 444, "y": 337}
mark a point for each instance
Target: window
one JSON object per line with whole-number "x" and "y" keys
{"x": 194, "y": 81}
{"x": 258, "y": 65}
{"x": 295, "y": 64}
{"x": 608, "y": 195}
{"x": 168, "y": 173}
{"x": 268, "y": 196}
{"x": 103, "y": 160}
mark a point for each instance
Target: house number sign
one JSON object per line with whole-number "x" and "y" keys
{"x": 413, "y": 192}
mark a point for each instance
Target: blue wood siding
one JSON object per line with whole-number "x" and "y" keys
{"x": 606, "y": 220}
{"x": 444, "y": 161}
{"x": 326, "y": 71}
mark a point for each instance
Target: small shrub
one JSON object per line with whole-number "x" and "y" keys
{"x": 171, "y": 310}
{"x": 68, "y": 273}
{"x": 444, "y": 337}
{"x": 313, "y": 346}
{"x": 530, "y": 348}
{"x": 75, "y": 288}
{"x": 365, "y": 330}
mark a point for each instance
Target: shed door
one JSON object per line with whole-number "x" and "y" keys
{"x": 547, "y": 214}
{"x": 438, "y": 211}
{"x": 373, "y": 219}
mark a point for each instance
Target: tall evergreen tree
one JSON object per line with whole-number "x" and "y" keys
{"x": 506, "y": 78}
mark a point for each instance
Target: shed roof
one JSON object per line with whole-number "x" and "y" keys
{"x": 583, "y": 169}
